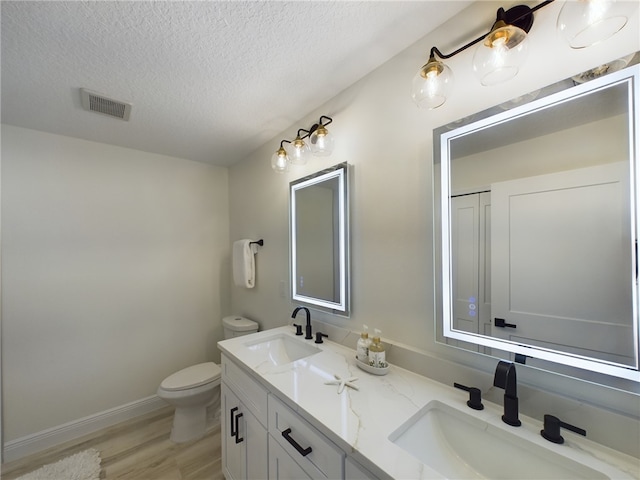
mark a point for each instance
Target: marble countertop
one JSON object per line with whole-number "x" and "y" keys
{"x": 360, "y": 421}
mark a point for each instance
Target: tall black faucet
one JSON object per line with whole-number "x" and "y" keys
{"x": 505, "y": 377}
{"x": 309, "y": 334}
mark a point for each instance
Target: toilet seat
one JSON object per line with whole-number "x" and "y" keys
{"x": 191, "y": 377}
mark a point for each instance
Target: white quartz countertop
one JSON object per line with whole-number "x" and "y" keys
{"x": 360, "y": 421}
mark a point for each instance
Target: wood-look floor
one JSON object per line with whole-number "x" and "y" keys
{"x": 138, "y": 449}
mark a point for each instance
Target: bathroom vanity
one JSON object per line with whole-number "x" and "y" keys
{"x": 282, "y": 417}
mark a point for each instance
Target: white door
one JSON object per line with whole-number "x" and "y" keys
{"x": 544, "y": 230}
{"x": 470, "y": 260}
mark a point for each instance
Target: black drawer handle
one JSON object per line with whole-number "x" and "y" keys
{"x": 234, "y": 423}
{"x": 231, "y": 422}
{"x": 238, "y": 438}
{"x": 302, "y": 451}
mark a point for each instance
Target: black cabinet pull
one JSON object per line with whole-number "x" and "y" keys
{"x": 235, "y": 430}
{"x": 232, "y": 423}
{"x": 238, "y": 438}
{"x": 302, "y": 451}
{"x": 500, "y": 322}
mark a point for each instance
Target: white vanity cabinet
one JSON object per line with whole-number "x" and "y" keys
{"x": 244, "y": 425}
{"x": 300, "y": 448}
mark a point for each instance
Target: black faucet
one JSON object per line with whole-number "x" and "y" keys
{"x": 505, "y": 377}
{"x": 309, "y": 334}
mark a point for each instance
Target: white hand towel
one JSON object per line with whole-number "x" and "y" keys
{"x": 244, "y": 267}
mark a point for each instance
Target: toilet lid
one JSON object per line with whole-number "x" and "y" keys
{"x": 239, "y": 324}
{"x": 191, "y": 377}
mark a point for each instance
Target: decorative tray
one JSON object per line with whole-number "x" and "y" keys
{"x": 373, "y": 370}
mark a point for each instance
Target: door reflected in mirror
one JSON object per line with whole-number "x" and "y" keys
{"x": 538, "y": 209}
{"x": 319, "y": 237}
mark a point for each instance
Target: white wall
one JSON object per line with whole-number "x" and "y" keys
{"x": 115, "y": 273}
{"x": 388, "y": 141}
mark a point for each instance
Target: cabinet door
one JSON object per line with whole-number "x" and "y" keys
{"x": 234, "y": 452}
{"x": 244, "y": 440}
{"x": 256, "y": 439}
{"x": 281, "y": 465}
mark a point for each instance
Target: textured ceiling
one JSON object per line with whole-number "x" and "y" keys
{"x": 209, "y": 81}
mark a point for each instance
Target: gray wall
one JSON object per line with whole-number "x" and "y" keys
{"x": 115, "y": 274}
{"x": 388, "y": 142}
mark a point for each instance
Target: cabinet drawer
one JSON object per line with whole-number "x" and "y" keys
{"x": 249, "y": 391}
{"x": 306, "y": 445}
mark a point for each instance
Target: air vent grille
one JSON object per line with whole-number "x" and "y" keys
{"x": 96, "y": 102}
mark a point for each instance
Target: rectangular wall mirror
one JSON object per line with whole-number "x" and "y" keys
{"x": 319, "y": 240}
{"x": 538, "y": 227}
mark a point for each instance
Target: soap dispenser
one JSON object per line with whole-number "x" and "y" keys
{"x": 362, "y": 347}
{"x": 376, "y": 352}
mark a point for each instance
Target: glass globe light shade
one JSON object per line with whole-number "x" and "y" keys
{"x": 499, "y": 57}
{"x": 299, "y": 152}
{"x": 432, "y": 84}
{"x": 322, "y": 141}
{"x": 280, "y": 161}
{"x": 585, "y": 23}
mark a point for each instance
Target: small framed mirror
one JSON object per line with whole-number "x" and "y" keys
{"x": 319, "y": 240}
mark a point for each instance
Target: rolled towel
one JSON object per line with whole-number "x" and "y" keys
{"x": 244, "y": 267}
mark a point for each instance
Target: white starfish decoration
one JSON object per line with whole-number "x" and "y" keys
{"x": 343, "y": 383}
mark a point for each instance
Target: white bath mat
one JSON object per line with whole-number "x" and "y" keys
{"x": 79, "y": 466}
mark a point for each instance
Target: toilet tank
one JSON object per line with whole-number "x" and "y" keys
{"x": 236, "y": 326}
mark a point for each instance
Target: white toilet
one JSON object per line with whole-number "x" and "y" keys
{"x": 194, "y": 389}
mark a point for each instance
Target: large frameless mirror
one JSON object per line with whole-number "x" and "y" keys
{"x": 319, "y": 240}
{"x": 538, "y": 227}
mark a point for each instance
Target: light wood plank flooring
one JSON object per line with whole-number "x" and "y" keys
{"x": 138, "y": 449}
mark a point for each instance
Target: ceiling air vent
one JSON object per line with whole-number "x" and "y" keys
{"x": 96, "y": 102}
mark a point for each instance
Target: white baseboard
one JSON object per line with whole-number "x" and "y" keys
{"x": 51, "y": 437}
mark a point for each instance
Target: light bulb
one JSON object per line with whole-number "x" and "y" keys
{"x": 299, "y": 152}
{"x": 280, "y": 161}
{"x": 432, "y": 84}
{"x": 499, "y": 57}
{"x": 585, "y": 23}
{"x": 322, "y": 141}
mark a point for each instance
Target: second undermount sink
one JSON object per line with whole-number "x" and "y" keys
{"x": 459, "y": 445}
{"x": 282, "y": 349}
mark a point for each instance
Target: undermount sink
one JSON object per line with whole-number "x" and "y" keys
{"x": 459, "y": 445}
{"x": 282, "y": 349}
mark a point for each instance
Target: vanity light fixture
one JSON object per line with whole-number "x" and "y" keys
{"x": 280, "y": 160}
{"x": 321, "y": 139}
{"x": 299, "y": 152}
{"x": 588, "y": 22}
{"x": 432, "y": 84}
{"x": 497, "y": 58}
{"x": 501, "y": 52}
{"x": 320, "y": 142}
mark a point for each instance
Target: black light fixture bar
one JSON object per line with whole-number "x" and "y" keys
{"x": 521, "y": 16}
{"x": 313, "y": 128}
